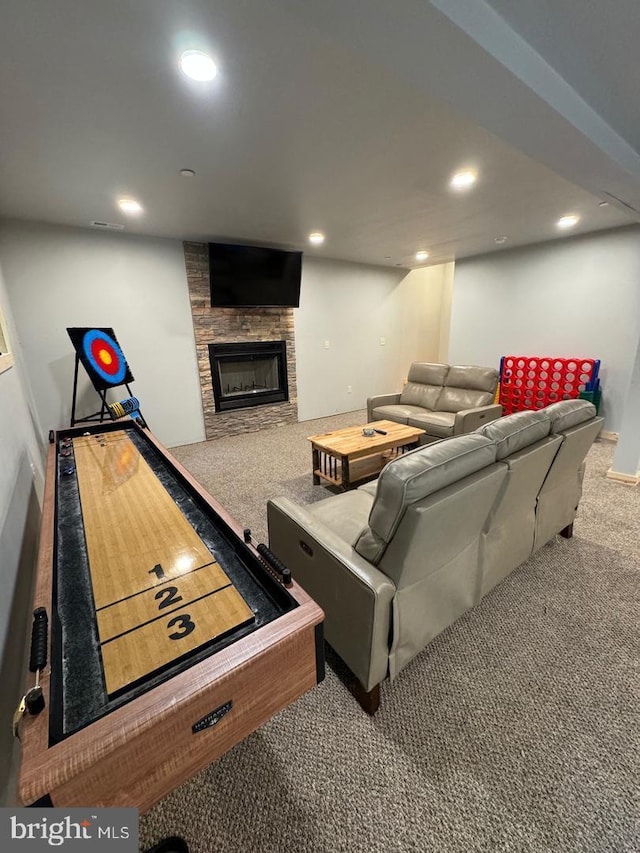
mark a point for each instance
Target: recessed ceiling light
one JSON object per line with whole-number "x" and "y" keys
{"x": 463, "y": 180}
{"x": 422, "y": 255}
{"x": 129, "y": 205}
{"x": 568, "y": 221}
{"x": 187, "y": 173}
{"x": 198, "y": 66}
{"x": 603, "y": 204}
{"x": 317, "y": 238}
{"x": 500, "y": 240}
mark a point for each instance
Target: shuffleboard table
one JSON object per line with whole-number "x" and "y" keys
{"x": 171, "y": 636}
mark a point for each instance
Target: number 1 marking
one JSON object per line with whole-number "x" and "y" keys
{"x": 158, "y": 571}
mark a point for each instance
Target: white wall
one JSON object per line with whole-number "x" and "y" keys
{"x": 626, "y": 460}
{"x": 353, "y": 306}
{"x": 21, "y": 485}
{"x": 572, "y": 297}
{"x": 58, "y": 277}
{"x": 21, "y": 462}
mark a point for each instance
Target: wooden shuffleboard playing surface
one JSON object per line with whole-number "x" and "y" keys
{"x": 170, "y": 634}
{"x": 157, "y": 589}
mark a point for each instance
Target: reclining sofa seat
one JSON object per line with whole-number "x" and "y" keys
{"x": 544, "y": 451}
{"x": 361, "y": 554}
{"x": 437, "y": 509}
{"x": 576, "y": 422}
{"x": 523, "y": 442}
{"x": 395, "y": 562}
{"x": 441, "y": 400}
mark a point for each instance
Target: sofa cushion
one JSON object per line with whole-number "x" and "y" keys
{"x": 396, "y": 412}
{"x": 514, "y": 432}
{"x": 428, "y": 373}
{"x": 424, "y": 384}
{"x": 416, "y": 394}
{"x": 434, "y": 423}
{"x": 467, "y": 387}
{"x": 569, "y": 413}
{"x": 414, "y": 476}
{"x": 369, "y": 488}
{"x": 346, "y": 514}
{"x": 453, "y": 399}
{"x": 472, "y": 377}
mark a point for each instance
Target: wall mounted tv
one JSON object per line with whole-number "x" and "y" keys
{"x": 252, "y": 276}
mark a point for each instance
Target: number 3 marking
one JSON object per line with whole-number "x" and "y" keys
{"x": 184, "y": 621}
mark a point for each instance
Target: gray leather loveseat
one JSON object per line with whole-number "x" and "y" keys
{"x": 398, "y": 560}
{"x": 442, "y": 400}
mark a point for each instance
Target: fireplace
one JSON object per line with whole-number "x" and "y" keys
{"x": 248, "y": 374}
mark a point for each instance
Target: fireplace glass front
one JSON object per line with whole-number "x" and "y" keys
{"x": 248, "y": 374}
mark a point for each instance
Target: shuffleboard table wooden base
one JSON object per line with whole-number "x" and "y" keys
{"x": 171, "y": 637}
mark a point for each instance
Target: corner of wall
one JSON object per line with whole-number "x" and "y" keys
{"x": 448, "y": 271}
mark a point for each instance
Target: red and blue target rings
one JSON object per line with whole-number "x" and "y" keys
{"x": 105, "y": 356}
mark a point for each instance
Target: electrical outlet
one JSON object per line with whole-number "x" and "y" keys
{"x": 383, "y": 341}
{"x": 326, "y": 344}
{"x": 349, "y": 389}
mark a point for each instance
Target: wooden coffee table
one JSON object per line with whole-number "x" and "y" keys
{"x": 347, "y": 457}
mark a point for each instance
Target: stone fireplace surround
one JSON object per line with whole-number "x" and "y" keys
{"x": 234, "y": 325}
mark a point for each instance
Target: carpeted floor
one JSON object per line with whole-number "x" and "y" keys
{"x": 516, "y": 730}
{"x": 244, "y": 471}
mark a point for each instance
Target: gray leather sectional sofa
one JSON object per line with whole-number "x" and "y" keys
{"x": 398, "y": 560}
{"x": 442, "y": 400}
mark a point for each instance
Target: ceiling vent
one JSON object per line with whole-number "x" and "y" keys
{"x": 107, "y": 226}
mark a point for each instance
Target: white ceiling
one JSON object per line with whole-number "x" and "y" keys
{"x": 343, "y": 116}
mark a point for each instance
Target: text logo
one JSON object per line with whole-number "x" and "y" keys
{"x": 36, "y": 829}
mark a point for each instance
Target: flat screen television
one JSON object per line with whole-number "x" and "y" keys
{"x": 252, "y": 276}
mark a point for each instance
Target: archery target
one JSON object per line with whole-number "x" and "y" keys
{"x": 101, "y": 357}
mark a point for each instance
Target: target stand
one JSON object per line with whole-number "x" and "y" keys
{"x": 102, "y": 358}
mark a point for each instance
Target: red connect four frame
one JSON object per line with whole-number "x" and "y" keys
{"x": 533, "y": 382}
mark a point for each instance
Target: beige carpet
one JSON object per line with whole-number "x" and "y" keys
{"x": 517, "y": 729}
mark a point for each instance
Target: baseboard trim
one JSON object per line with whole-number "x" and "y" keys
{"x": 608, "y": 436}
{"x": 627, "y": 479}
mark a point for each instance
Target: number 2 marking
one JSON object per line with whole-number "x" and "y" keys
{"x": 170, "y": 594}
{"x": 185, "y": 623}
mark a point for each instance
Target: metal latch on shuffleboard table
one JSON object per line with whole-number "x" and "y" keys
{"x": 33, "y": 700}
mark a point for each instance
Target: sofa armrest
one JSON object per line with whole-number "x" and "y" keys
{"x": 356, "y": 597}
{"x": 381, "y": 400}
{"x": 468, "y": 420}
